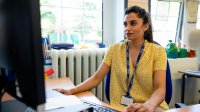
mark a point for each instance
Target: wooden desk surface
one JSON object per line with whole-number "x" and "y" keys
{"x": 66, "y": 83}
{"x": 193, "y": 108}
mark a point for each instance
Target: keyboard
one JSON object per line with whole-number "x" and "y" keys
{"x": 98, "y": 108}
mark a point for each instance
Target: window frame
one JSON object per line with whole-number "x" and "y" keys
{"x": 178, "y": 35}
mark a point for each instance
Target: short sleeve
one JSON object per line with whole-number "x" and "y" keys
{"x": 108, "y": 56}
{"x": 160, "y": 59}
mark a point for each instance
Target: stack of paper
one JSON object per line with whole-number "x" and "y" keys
{"x": 62, "y": 102}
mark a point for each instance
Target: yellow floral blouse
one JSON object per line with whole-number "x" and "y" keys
{"x": 153, "y": 58}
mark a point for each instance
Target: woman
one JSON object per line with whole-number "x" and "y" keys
{"x": 137, "y": 65}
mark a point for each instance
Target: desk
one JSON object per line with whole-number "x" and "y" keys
{"x": 187, "y": 73}
{"x": 66, "y": 84}
{"x": 193, "y": 108}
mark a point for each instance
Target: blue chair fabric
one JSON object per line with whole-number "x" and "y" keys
{"x": 168, "y": 94}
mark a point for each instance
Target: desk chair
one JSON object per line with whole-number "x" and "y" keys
{"x": 168, "y": 94}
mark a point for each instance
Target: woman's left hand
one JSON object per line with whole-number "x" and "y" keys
{"x": 139, "y": 107}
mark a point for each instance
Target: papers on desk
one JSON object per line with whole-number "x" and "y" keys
{"x": 62, "y": 102}
{"x": 52, "y": 94}
{"x": 191, "y": 72}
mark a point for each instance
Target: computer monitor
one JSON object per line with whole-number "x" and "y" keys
{"x": 21, "y": 58}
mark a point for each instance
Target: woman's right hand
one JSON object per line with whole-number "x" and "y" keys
{"x": 63, "y": 91}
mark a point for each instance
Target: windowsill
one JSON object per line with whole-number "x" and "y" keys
{"x": 187, "y": 58}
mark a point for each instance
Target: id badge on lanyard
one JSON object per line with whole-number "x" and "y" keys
{"x": 127, "y": 99}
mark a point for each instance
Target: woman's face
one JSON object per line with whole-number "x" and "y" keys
{"x": 134, "y": 27}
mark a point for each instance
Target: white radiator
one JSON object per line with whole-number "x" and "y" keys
{"x": 79, "y": 65}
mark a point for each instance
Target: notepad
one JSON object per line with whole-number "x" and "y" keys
{"x": 62, "y": 102}
{"x": 193, "y": 71}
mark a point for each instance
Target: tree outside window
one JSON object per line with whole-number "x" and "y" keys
{"x": 72, "y": 20}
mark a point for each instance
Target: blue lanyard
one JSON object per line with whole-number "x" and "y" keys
{"x": 128, "y": 66}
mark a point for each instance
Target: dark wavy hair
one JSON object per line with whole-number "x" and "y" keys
{"x": 141, "y": 13}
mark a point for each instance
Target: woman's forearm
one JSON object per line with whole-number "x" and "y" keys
{"x": 86, "y": 85}
{"x": 93, "y": 81}
{"x": 157, "y": 97}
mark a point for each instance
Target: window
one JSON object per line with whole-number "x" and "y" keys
{"x": 198, "y": 18}
{"x": 165, "y": 19}
{"x": 73, "y": 21}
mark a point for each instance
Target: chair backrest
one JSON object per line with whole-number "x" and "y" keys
{"x": 168, "y": 94}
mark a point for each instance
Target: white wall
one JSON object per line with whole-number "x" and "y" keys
{"x": 108, "y": 21}
{"x": 113, "y": 30}
{"x": 118, "y": 20}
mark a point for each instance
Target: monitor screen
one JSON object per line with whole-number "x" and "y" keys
{"x": 21, "y": 58}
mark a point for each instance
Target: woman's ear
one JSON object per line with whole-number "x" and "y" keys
{"x": 146, "y": 26}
